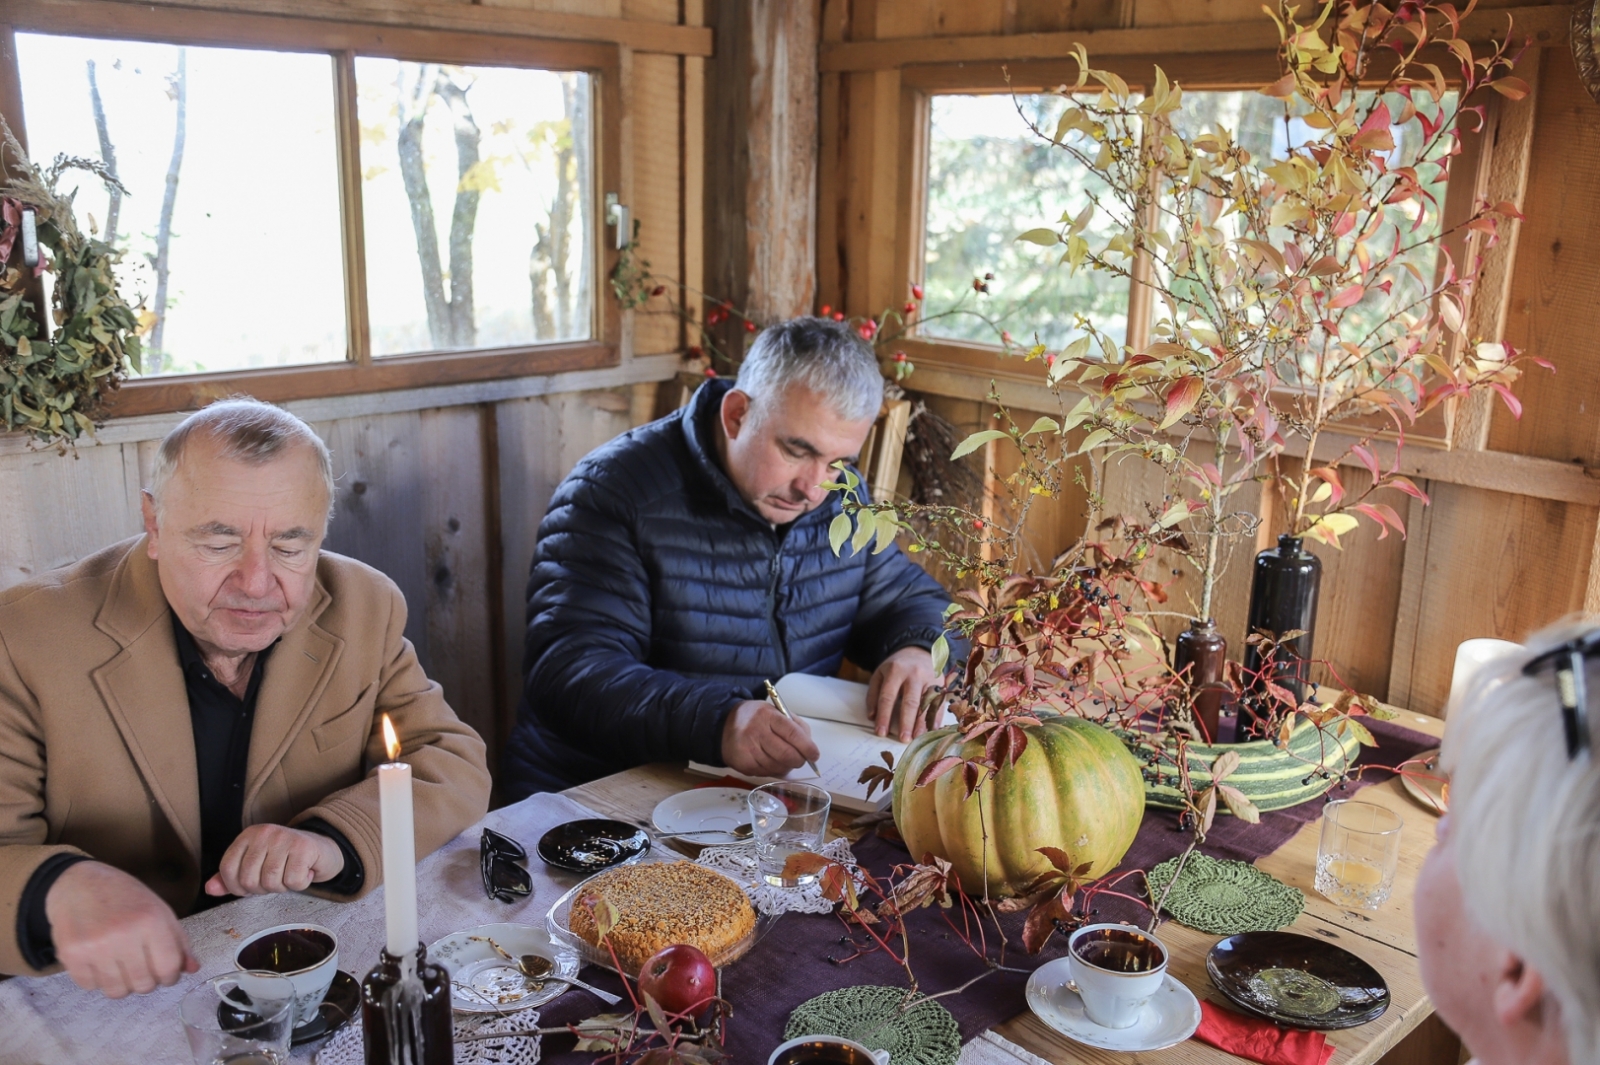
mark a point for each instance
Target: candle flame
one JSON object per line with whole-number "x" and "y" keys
{"x": 391, "y": 742}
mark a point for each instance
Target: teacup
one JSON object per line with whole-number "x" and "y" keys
{"x": 308, "y": 954}
{"x": 826, "y": 1050}
{"x": 1115, "y": 969}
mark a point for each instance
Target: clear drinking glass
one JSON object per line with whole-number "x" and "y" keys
{"x": 1358, "y": 855}
{"x": 240, "y": 1018}
{"x": 788, "y": 818}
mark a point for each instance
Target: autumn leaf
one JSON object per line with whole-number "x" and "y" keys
{"x": 804, "y": 864}
{"x": 1040, "y": 236}
{"x": 1347, "y": 297}
{"x": 875, "y": 777}
{"x": 839, "y": 532}
{"x": 1224, "y": 765}
{"x": 975, "y": 441}
{"x": 1511, "y": 87}
{"x": 1041, "y": 923}
{"x": 1239, "y": 804}
{"x": 1181, "y": 399}
{"x": 936, "y": 770}
{"x": 1281, "y": 89}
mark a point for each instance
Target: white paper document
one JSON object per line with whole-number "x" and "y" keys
{"x": 836, "y": 713}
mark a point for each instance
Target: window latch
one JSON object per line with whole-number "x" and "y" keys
{"x": 617, "y": 215}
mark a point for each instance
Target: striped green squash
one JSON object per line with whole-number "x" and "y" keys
{"x": 1075, "y": 786}
{"x": 1271, "y": 777}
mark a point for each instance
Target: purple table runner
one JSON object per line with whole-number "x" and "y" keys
{"x": 792, "y": 963}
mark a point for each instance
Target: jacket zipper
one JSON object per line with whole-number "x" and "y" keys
{"x": 775, "y": 571}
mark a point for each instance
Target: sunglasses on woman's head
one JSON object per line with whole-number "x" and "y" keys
{"x": 1571, "y": 687}
{"x": 503, "y": 878}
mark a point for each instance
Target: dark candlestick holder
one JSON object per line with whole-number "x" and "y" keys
{"x": 403, "y": 1025}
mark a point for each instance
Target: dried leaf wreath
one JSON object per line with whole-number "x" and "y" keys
{"x": 56, "y": 387}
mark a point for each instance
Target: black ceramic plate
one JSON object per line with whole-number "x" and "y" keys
{"x": 339, "y": 1005}
{"x": 1296, "y": 980}
{"x": 591, "y": 845}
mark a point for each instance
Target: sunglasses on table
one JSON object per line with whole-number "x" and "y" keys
{"x": 503, "y": 878}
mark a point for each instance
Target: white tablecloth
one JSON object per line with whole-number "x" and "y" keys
{"x": 50, "y": 1020}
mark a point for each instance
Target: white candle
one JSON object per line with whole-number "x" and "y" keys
{"x": 1470, "y": 657}
{"x": 399, "y": 849}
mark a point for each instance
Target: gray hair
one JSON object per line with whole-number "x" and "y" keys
{"x": 827, "y": 357}
{"x": 1527, "y": 830}
{"x": 245, "y": 430}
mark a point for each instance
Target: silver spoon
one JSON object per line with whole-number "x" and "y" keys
{"x": 744, "y": 831}
{"x": 539, "y": 968}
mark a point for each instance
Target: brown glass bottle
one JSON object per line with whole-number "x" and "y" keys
{"x": 382, "y": 1015}
{"x": 1203, "y": 651}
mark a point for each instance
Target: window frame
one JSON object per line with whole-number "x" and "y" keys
{"x": 359, "y": 371}
{"x": 1199, "y": 72}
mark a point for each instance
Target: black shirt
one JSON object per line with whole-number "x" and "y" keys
{"x": 222, "y": 723}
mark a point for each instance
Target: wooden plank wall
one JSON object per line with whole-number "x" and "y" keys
{"x": 445, "y": 499}
{"x": 1480, "y": 561}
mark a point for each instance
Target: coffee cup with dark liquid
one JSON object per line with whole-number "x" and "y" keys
{"x": 1115, "y": 969}
{"x": 826, "y": 1050}
{"x": 308, "y": 954}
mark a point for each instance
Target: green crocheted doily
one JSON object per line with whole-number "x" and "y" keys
{"x": 925, "y": 1034}
{"x": 1225, "y": 897}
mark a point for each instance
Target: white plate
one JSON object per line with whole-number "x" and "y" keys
{"x": 1170, "y": 1017}
{"x": 481, "y": 981}
{"x": 701, "y": 810}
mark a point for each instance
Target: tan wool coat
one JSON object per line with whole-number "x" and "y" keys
{"x": 97, "y": 750}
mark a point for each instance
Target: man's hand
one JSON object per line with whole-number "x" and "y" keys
{"x": 113, "y": 934}
{"x": 894, "y": 695}
{"x": 266, "y": 859}
{"x": 762, "y": 742}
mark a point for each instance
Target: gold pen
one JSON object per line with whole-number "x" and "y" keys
{"x": 772, "y": 697}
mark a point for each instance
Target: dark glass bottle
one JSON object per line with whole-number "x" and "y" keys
{"x": 1283, "y": 598}
{"x": 1203, "y": 651}
{"x": 386, "y": 1023}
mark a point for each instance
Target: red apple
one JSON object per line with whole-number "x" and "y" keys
{"x": 680, "y": 978}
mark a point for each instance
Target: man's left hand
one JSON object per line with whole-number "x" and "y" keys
{"x": 894, "y": 697}
{"x": 266, "y": 859}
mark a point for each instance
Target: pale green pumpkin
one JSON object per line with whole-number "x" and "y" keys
{"x": 1075, "y": 787}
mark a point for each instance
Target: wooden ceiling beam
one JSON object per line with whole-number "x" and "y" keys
{"x": 1545, "y": 24}
{"x": 101, "y": 18}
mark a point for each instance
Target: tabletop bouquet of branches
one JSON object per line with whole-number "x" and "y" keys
{"x": 1307, "y": 305}
{"x": 1307, "y": 298}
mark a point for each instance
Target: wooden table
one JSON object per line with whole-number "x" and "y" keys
{"x": 1385, "y": 938}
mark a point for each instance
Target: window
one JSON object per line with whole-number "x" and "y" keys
{"x": 230, "y": 225}
{"x": 475, "y": 192}
{"x": 989, "y": 176}
{"x": 1259, "y": 125}
{"x": 336, "y": 201}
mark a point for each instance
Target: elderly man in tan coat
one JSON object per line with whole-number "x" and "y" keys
{"x": 195, "y": 713}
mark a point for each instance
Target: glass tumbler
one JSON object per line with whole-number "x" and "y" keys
{"x": 787, "y": 819}
{"x": 240, "y": 1018}
{"x": 1358, "y": 854}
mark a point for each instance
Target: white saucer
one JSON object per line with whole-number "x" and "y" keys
{"x": 701, "y": 810}
{"x": 1170, "y": 1017}
{"x": 481, "y": 981}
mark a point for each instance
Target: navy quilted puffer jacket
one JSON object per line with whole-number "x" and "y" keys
{"x": 658, "y": 600}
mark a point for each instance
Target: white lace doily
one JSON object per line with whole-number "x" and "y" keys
{"x": 346, "y": 1047}
{"x": 739, "y": 862}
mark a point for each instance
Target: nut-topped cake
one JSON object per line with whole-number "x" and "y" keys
{"x": 662, "y": 903}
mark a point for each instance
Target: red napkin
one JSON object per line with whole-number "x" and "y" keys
{"x": 1260, "y": 1040}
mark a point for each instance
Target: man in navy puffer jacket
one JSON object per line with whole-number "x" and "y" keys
{"x": 687, "y": 561}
